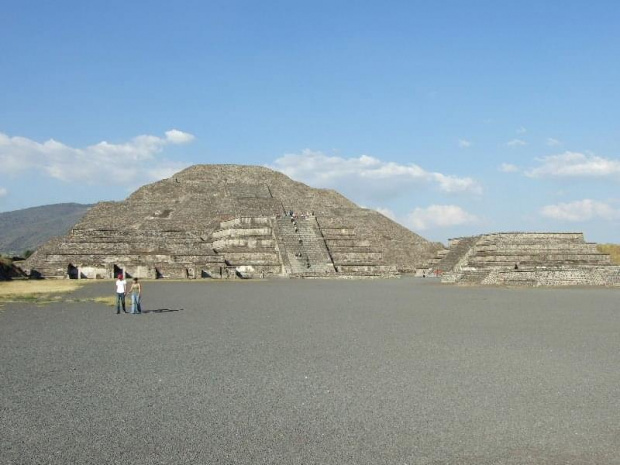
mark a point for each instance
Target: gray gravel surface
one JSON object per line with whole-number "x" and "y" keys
{"x": 314, "y": 372}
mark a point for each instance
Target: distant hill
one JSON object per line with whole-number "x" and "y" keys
{"x": 27, "y": 229}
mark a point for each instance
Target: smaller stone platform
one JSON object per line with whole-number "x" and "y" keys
{"x": 526, "y": 259}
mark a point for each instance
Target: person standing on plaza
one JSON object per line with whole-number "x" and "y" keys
{"x": 121, "y": 292}
{"x": 136, "y": 296}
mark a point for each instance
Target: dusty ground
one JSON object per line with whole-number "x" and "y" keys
{"x": 314, "y": 372}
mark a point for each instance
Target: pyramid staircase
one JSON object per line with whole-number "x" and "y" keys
{"x": 302, "y": 247}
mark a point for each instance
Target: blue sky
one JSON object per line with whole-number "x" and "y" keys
{"x": 452, "y": 117}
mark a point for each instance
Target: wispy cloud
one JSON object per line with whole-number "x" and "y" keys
{"x": 574, "y": 165}
{"x": 464, "y": 143}
{"x": 439, "y": 216}
{"x": 103, "y": 163}
{"x": 367, "y": 177}
{"x": 516, "y": 143}
{"x": 551, "y": 142}
{"x": 3, "y": 192}
{"x": 508, "y": 168}
{"x": 581, "y": 210}
{"x": 521, "y": 130}
{"x": 175, "y": 136}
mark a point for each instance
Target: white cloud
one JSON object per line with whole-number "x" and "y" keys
{"x": 454, "y": 184}
{"x": 439, "y": 216}
{"x": 551, "y": 142}
{"x": 102, "y": 163}
{"x": 508, "y": 168}
{"x": 581, "y": 210}
{"x": 369, "y": 177}
{"x": 3, "y": 192}
{"x": 516, "y": 143}
{"x": 463, "y": 143}
{"x": 521, "y": 130}
{"x": 575, "y": 164}
{"x": 175, "y": 136}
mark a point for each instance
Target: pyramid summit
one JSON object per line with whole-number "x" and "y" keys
{"x": 231, "y": 220}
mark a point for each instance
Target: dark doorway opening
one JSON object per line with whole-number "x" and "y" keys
{"x": 72, "y": 271}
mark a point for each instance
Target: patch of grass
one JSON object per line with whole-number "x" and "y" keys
{"x": 39, "y": 286}
{"x": 36, "y": 291}
{"x": 109, "y": 301}
{"x": 613, "y": 250}
{"x": 38, "y": 299}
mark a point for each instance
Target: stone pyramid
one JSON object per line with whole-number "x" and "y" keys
{"x": 224, "y": 221}
{"x": 526, "y": 259}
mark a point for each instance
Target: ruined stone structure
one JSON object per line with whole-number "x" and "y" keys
{"x": 222, "y": 221}
{"x": 9, "y": 271}
{"x": 530, "y": 259}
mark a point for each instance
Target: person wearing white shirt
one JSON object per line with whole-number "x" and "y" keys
{"x": 121, "y": 292}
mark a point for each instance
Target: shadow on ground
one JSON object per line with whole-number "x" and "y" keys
{"x": 163, "y": 310}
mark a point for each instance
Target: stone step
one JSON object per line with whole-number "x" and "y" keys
{"x": 456, "y": 253}
{"x": 304, "y": 246}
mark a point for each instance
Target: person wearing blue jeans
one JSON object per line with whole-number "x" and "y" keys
{"x": 121, "y": 292}
{"x": 136, "y": 296}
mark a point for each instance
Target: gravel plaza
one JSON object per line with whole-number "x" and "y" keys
{"x": 400, "y": 371}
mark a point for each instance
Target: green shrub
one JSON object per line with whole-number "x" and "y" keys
{"x": 613, "y": 250}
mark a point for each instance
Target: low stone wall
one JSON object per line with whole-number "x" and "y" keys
{"x": 508, "y": 248}
{"x": 541, "y": 258}
{"x": 385, "y": 270}
{"x": 257, "y": 271}
{"x": 525, "y": 237}
{"x": 95, "y": 272}
{"x": 604, "y": 276}
{"x": 267, "y": 257}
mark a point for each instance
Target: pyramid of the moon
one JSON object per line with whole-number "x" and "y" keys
{"x": 230, "y": 220}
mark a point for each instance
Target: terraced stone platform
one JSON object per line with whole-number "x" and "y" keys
{"x": 530, "y": 259}
{"x": 231, "y": 221}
